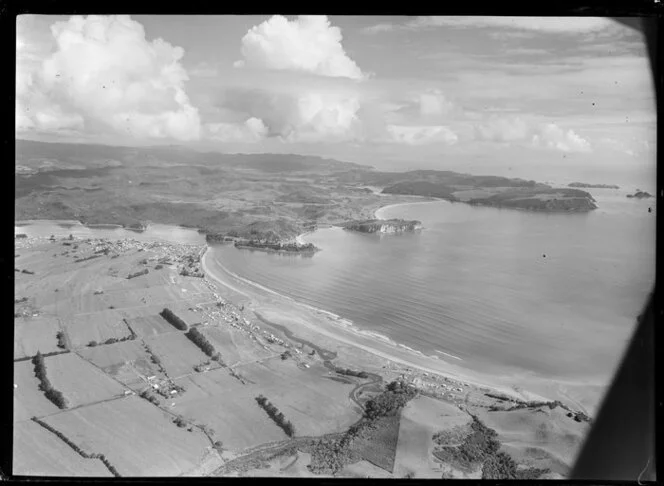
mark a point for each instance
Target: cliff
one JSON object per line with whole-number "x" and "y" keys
{"x": 383, "y": 225}
{"x": 583, "y": 185}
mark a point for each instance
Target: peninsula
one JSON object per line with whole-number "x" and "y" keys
{"x": 583, "y": 185}
{"x": 264, "y": 197}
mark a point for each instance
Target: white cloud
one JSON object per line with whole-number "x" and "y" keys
{"x": 307, "y": 44}
{"x": 303, "y": 116}
{"x": 553, "y": 137}
{"x": 105, "y": 74}
{"x": 556, "y": 25}
{"x": 421, "y": 135}
{"x": 503, "y": 130}
{"x": 515, "y": 130}
{"x": 433, "y": 103}
{"x": 252, "y": 130}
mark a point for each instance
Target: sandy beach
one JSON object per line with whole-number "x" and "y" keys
{"x": 339, "y": 335}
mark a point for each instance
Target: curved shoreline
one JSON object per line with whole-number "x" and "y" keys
{"x": 342, "y": 331}
{"x": 328, "y": 325}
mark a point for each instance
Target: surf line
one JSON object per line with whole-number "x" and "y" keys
{"x": 448, "y": 354}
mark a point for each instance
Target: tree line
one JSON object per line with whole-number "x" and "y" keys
{"x": 45, "y": 385}
{"x": 76, "y": 448}
{"x": 174, "y": 320}
{"x": 196, "y": 337}
{"x": 276, "y": 416}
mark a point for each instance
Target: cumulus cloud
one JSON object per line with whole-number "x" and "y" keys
{"x": 553, "y": 137}
{"x": 105, "y": 74}
{"x": 307, "y": 44}
{"x": 252, "y": 130}
{"x": 421, "y": 135}
{"x": 503, "y": 130}
{"x": 307, "y": 116}
{"x": 433, "y": 103}
{"x": 517, "y": 130}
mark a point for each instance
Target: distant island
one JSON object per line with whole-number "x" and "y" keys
{"x": 592, "y": 186}
{"x": 382, "y": 225}
{"x": 639, "y": 194}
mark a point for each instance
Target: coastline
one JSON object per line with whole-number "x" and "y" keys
{"x": 320, "y": 324}
{"x": 336, "y": 333}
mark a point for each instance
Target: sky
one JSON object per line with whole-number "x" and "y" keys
{"x": 540, "y": 98}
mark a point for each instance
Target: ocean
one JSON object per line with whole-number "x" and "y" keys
{"x": 501, "y": 291}
{"x": 504, "y": 292}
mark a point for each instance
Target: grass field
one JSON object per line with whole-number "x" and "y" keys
{"x": 80, "y": 381}
{"x": 32, "y": 335}
{"x": 178, "y": 354}
{"x": 38, "y": 452}
{"x": 234, "y": 345}
{"x": 136, "y": 437}
{"x": 126, "y": 362}
{"x": 314, "y": 404}
{"x": 539, "y": 437}
{"x": 221, "y": 402}
{"x": 29, "y": 401}
{"x": 420, "y": 419}
{"x": 97, "y": 327}
{"x": 150, "y": 325}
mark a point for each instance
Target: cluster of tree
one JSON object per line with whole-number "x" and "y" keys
{"x": 28, "y": 272}
{"x": 78, "y": 260}
{"x": 276, "y": 246}
{"x": 131, "y": 337}
{"x": 395, "y": 397}
{"x": 196, "y": 337}
{"x": 45, "y": 385}
{"x": 278, "y": 417}
{"x": 180, "y": 421}
{"x": 174, "y": 320}
{"x": 62, "y": 340}
{"x": 349, "y": 372}
{"x": 77, "y": 449}
{"x": 149, "y": 396}
{"x": 145, "y": 271}
{"x": 21, "y": 235}
{"x": 481, "y": 446}
{"x": 154, "y": 358}
{"x": 159, "y": 266}
{"x": 286, "y": 354}
{"x": 21, "y": 300}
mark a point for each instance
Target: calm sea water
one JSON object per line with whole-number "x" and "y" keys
{"x": 503, "y": 291}
{"x": 496, "y": 290}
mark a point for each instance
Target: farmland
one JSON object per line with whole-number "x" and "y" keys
{"x": 38, "y": 452}
{"x": 143, "y": 399}
{"x": 156, "y": 448}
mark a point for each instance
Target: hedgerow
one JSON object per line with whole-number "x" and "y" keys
{"x": 278, "y": 417}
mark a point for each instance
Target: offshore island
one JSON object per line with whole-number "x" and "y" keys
{"x": 139, "y": 358}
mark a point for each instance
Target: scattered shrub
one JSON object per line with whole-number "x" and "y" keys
{"x": 145, "y": 271}
{"x": 62, "y": 340}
